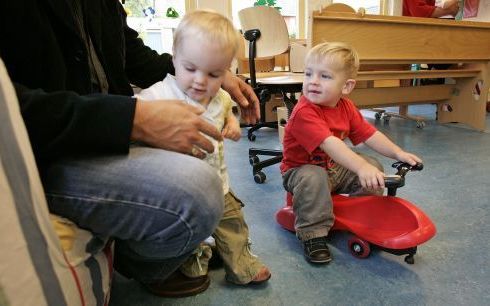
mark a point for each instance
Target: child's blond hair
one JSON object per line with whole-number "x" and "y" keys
{"x": 337, "y": 54}
{"x": 207, "y": 25}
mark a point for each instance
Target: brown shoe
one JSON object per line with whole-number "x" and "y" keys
{"x": 316, "y": 250}
{"x": 178, "y": 285}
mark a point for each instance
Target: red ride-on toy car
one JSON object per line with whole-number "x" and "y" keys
{"x": 387, "y": 222}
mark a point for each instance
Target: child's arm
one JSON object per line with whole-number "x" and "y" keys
{"x": 381, "y": 144}
{"x": 232, "y": 130}
{"x": 369, "y": 175}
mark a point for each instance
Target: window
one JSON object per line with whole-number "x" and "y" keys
{"x": 149, "y": 19}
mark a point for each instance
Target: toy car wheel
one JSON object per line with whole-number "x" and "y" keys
{"x": 359, "y": 248}
{"x": 259, "y": 177}
{"x": 409, "y": 259}
{"x": 253, "y": 159}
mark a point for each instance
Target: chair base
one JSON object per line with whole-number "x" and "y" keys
{"x": 402, "y": 113}
{"x": 258, "y": 165}
{"x": 259, "y": 125}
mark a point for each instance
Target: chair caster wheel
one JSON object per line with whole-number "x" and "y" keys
{"x": 251, "y": 137}
{"x": 420, "y": 124}
{"x": 253, "y": 159}
{"x": 377, "y": 116}
{"x": 259, "y": 177}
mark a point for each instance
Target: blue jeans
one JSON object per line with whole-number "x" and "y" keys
{"x": 158, "y": 205}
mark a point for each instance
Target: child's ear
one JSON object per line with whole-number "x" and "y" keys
{"x": 348, "y": 86}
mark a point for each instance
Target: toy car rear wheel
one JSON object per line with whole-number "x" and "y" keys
{"x": 358, "y": 247}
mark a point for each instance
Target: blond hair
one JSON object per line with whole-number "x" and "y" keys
{"x": 338, "y": 54}
{"x": 210, "y": 26}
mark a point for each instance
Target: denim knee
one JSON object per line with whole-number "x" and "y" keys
{"x": 205, "y": 194}
{"x": 162, "y": 203}
{"x": 209, "y": 207}
{"x": 170, "y": 230}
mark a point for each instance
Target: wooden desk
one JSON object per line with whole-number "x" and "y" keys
{"x": 375, "y": 97}
{"x": 387, "y": 41}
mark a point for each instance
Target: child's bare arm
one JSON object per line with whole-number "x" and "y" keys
{"x": 369, "y": 176}
{"x": 232, "y": 130}
{"x": 384, "y": 146}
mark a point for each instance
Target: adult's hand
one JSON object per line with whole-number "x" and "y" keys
{"x": 173, "y": 126}
{"x": 454, "y": 8}
{"x": 448, "y": 8}
{"x": 244, "y": 95}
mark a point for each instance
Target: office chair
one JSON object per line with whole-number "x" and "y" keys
{"x": 266, "y": 31}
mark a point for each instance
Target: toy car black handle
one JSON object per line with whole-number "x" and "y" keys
{"x": 403, "y": 168}
{"x": 392, "y": 182}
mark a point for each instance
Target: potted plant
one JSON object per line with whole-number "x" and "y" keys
{"x": 271, "y": 3}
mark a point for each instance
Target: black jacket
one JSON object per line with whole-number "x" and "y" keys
{"x": 47, "y": 61}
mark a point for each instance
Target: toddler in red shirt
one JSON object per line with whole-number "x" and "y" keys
{"x": 316, "y": 160}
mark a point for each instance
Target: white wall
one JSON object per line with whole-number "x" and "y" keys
{"x": 315, "y": 5}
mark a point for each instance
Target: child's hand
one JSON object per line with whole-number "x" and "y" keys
{"x": 410, "y": 158}
{"x": 370, "y": 177}
{"x": 232, "y": 130}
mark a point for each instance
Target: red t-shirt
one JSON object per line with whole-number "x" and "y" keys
{"x": 418, "y": 8}
{"x": 310, "y": 124}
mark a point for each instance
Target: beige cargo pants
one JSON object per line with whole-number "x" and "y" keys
{"x": 233, "y": 245}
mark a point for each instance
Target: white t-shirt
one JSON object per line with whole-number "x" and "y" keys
{"x": 216, "y": 112}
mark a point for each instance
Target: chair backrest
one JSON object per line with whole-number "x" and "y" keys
{"x": 274, "y": 38}
{"x": 297, "y": 54}
{"x": 263, "y": 64}
{"x": 338, "y": 7}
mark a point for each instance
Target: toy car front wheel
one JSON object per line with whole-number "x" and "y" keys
{"x": 359, "y": 248}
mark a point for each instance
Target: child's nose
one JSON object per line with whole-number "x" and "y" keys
{"x": 200, "y": 78}
{"x": 314, "y": 79}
